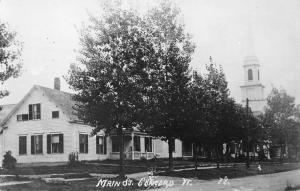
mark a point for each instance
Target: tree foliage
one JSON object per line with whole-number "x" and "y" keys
{"x": 116, "y": 52}
{"x": 279, "y": 111}
{"x": 134, "y": 72}
{"x": 111, "y": 71}
{"x": 214, "y": 117}
{"x": 165, "y": 115}
{"x": 281, "y": 121}
{"x": 10, "y": 50}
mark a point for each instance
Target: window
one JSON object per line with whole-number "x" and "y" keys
{"x": 22, "y": 145}
{"x": 115, "y": 144}
{"x": 137, "y": 143}
{"x": 258, "y": 74}
{"x": 36, "y": 144}
{"x": 55, "y": 114}
{"x": 173, "y": 145}
{"x": 187, "y": 148}
{"x": 34, "y": 111}
{"x": 55, "y": 143}
{"x": 100, "y": 145}
{"x": 83, "y": 143}
{"x": 22, "y": 117}
{"x": 148, "y": 144}
{"x": 250, "y": 74}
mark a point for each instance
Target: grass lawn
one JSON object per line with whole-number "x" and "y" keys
{"x": 100, "y": 167}
{"x": 89, "y": 184}
{"x": 232, "y": 172}
{"x": 84, "y": 168}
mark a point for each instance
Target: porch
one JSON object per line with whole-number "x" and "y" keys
{"x": 137, "y": 145}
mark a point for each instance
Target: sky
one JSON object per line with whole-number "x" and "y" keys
{"x": 49, "y": 30}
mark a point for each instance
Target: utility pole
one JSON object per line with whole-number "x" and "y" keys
{"x": 247, "y": 133}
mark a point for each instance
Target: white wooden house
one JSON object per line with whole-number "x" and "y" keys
{"x": 42, "y": 128}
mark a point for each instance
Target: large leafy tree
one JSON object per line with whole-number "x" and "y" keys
{"x": 217, "y": 104}
{"x": 197, "y": 124}
{"x": 170, "y": 75}
{"x": 214, "y": 117}
{"x": 111, "y": 74}
{"x": 10, "y": 50}
{"x": 279, "y": 118}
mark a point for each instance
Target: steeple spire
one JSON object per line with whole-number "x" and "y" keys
{"x": 252, "y": 89}
{"x": 249, "y": 48}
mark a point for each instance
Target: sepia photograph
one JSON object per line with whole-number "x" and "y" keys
{"x": 161, "y": 95}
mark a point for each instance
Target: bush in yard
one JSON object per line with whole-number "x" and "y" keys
{"x": 73, "y": 159}
{"x": 9, "y": 162}
{"x": 155, "y": 158}
{"x": 143, "y": 159}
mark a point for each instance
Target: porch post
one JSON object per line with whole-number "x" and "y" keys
{"x": 192, "y": 149}
{"x": 132, "y": 146}
{"x": 153, "y": 146}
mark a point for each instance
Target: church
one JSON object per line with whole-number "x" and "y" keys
{"x": 253, "y": 89}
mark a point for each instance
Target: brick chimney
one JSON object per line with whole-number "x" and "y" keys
{"x": 57, "y": 84}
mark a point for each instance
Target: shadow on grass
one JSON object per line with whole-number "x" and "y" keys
{"x": 230, "y": 172}
{"x": 90, "y": 184}
{"x": 84, "y": 168}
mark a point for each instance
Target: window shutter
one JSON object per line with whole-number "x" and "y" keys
{"x": 39, "y": 111}
{"x": 22, "y": 145}
{"x": 146, "y": 144}
{"x": 61, "y": 143}
{"x": 87, "y": 144}
{"x": 30, "y": 111}
{"x": 24, "y": 117}
{"x": 41, "y": 143}
{"x": 97, "y": 145}
{"x": 49, "y": 144}
{"x": 105, "y": 145}
{"x": 80, "y": 151}
{"x": 32, "y": 145}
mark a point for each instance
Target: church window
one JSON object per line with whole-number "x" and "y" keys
{"x": 250, "y": 74}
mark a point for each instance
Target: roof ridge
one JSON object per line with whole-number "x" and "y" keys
{"x": 61, "y": 98}
{"x": 53, "y": 89}
{"x": 9, "y": 104}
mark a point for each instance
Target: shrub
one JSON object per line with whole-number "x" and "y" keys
{"x": 143, "y": 159}
{"x": 155, "y": 158}
{"x": 9, "y": 162}
{"x": 73, "y": 159}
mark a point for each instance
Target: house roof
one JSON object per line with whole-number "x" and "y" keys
{"x": 62, "y": 99}
{"x": 5, "y": 110}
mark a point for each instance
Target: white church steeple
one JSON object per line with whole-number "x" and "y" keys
{"x": 252, "y": 88}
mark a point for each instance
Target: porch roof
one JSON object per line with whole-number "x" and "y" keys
{"x": 129, "y": 132}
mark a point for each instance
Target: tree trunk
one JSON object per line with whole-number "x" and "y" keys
{"x": 195, "y": 155}
{"x": 218, "y": 156}
{"x": 247, "y": 150}
{"x": 171, "y": 167}
{"x": 281, "y": 153}
{"x": 286, "y": 150}
{"x": 121, "y": 173}
{"x": 296, "y": 152}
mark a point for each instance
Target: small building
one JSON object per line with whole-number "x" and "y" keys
{"x": 43, "y": 128}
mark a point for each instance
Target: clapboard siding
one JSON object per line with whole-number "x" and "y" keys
{"x": 91, "y": 155}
